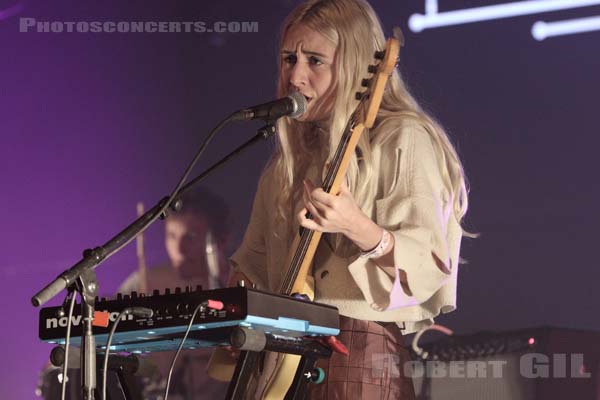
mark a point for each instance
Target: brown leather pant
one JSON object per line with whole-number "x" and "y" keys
{"x": 374, "y": 368}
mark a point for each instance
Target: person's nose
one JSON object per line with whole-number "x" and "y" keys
{"x": 183, "y": 248}
{"x": 299, "y": 75}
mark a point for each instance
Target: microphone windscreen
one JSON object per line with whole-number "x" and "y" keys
{"x": 300, "y": 104}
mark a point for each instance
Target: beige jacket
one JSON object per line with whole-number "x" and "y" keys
{"x": 411, "y": 202}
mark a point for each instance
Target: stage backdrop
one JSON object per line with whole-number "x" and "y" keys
{"x": 93, "y": 122}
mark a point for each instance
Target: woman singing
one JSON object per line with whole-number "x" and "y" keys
{"x": 389, "y": 257}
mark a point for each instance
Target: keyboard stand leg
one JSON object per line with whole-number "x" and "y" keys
{"x": 131, "y": 390}
{"x": 245, "y": 367}
{"x": 299, "y": 387}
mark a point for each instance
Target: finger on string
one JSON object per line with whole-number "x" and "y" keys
{"x": 305, "y": 197}
{"x": 309, "y": 200}
{"x": 308, "y": 223}
{"x": 314, "y": 212}
{"x": 312, "y": 225}
{"x": 308, "y": 185}
{"x": 308, "y": 192}
{"x": 301, "y": 216}
{"x": 322, "y": 197}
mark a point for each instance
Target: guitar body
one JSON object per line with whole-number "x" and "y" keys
{"x": 221, "y": 365}
{"x": 285, "y": 371}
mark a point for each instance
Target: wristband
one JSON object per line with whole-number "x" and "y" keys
{"x": 378, "y": 250}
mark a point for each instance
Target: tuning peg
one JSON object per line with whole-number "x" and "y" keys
{"x": 372, "y": 69}
{"x": 379, "y": 55}
{"x": 365, "y": 82}
{"x": 359, "y": 95}
{"x": 398, "y": 35}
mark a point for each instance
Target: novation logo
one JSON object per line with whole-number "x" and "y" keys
{"x": 55, "y": 323}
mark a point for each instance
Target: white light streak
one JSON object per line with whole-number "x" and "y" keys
{"x": 542, "y": 30}
{"x": 434, "y": 19}
{"x": 431, "y": 6}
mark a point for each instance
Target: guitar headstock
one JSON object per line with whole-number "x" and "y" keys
{"x": 385, "y": 62}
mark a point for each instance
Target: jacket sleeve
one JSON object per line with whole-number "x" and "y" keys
{"x": 416, "y": 208}
{"x": 251, "y": 258}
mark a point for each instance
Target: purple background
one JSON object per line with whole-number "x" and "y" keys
{"x": 93, "y": 123}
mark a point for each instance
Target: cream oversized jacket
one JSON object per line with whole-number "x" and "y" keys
{"x": 412, "y": 202}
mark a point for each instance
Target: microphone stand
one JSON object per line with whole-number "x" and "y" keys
{"x": 87, "y": 286}
{"x": 82, "y": 275}
{"x": 264, "y": 133}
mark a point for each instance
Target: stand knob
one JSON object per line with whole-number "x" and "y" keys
{"x": 316, "y": 376}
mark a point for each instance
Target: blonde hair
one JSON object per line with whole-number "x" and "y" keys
{"x": 354, "y": 30}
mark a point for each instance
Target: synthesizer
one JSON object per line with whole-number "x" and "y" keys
{"x": 221, "y": 312}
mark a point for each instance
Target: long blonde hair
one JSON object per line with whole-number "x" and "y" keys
{"x": 355, "y": 31}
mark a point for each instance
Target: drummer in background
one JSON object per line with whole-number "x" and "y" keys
{"x": 195, "y": 240}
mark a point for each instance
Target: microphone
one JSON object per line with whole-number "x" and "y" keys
{"x": 293, "y": 106}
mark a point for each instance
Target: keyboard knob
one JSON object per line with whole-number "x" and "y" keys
{"x": 177, "y": 290}
{"x": 167, "y": 291}
{"x": 156, "y": 292}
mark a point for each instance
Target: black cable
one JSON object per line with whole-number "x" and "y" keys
{"x": 179, "y": 349}
{"x": 63, "y": 388}
{"x": 108, "y": 342}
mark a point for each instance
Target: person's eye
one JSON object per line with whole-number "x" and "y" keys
{"x": 191, "y": 236}
{"x": 290, "y": 59}
{"x": 315, "y": 60}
